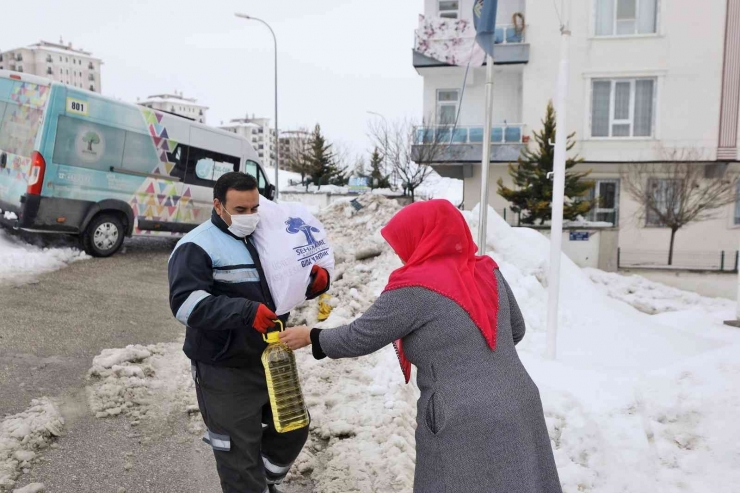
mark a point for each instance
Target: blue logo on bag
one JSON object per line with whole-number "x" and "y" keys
{"x": 297, "y": 225}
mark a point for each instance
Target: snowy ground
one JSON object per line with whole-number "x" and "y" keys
{"x": 20, "y": 262}
{"x": 24, "y": 434}
{"x": 643, "y": 396}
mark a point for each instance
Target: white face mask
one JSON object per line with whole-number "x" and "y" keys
{"x": 243, "y": 224}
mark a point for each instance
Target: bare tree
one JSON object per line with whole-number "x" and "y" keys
{"x": 681, "y": 190}
{"x": 294, "y": 151}
{"x": 410, "y": 149}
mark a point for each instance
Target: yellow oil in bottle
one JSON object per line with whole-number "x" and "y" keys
{"x": 286, "y": 399}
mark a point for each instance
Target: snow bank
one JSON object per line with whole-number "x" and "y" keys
{"x": 652, "y": 297}
{"x": 20, "y": 262}
{"x": 24, "y": 435}
{"x": 627, "y": 402}
{"x": 142, "y": 381}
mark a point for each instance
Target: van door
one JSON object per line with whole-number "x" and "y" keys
{"x": 22, "y": 107}
{"x": 162, "y": 164}
{"x": 203, "y": 167}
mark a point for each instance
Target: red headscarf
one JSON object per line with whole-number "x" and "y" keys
{"x": 434, "y": 241}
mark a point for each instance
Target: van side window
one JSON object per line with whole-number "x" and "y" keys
{"x": 178, "y": 156}
{"x": 139, "y": 153}
{"x": 205, "y": 167}
{"x": 87, "y": 144}
{"x": 252, "y": 168}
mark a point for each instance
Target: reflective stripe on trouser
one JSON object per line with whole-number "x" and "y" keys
{"x": 273, "y": 472}
{"x": 234, "y": 404}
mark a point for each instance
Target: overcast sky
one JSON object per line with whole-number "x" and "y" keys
{"x": 338, "y": 59}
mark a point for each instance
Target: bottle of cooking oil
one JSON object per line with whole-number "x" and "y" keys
{"x": 286, "y": 399}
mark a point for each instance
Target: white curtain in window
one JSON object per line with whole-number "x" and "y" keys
{"x": 604, "y": 17}
{"x": 600, "y": 99}
{"x": 737, "y": 204}
{"x": 647, "y": 17}
{"x": 644, "y": 96}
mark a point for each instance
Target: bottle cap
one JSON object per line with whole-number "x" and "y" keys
{"x": 274, "y": 336}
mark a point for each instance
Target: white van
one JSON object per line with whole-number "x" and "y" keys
{"x": 75, "y": 162}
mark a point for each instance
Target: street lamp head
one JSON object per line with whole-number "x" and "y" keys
{"x": 243, "y": 16}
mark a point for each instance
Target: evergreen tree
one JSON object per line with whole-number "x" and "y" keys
{"x": 377, "y": 178}
{"x": 533, "y": 194}
{"x": 323, "y": 169}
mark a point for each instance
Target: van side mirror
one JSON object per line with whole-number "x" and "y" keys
{"x": 3, "y": 160}
{"x": 270, "y": 192}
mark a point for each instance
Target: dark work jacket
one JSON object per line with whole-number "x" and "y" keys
{"x": 216, "y": 284}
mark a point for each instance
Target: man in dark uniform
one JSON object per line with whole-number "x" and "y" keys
{"x": 219, "y": 292}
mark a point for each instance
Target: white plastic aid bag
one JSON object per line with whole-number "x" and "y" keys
{"x": 290, "y": 241}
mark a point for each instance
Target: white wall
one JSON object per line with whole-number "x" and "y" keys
{"x": 507, "y": 93}
{"x": 506, "y": 8}
{"x": 685, "y": 56}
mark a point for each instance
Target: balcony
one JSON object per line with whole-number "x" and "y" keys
{"x": 433, "y": 49}
{"x": 464, "y": 145}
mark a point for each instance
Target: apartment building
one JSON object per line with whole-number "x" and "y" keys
{"x": 57, "y": 61}
{"x": 177, "y": 104}
{"x": 259, "y": 132}
{"x": 648, "y": 78}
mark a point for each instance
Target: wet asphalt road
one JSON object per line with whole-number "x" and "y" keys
{"x": 51, "y": 329}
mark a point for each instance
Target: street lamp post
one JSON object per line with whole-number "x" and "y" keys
{"x": 277, "y": 135}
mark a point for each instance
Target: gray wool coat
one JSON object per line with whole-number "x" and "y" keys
{"x": 480, "y": 423}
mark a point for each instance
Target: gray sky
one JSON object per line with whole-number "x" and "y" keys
{"x": 338, "y": 59}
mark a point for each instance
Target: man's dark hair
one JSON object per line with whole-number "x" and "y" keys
{"x": 233, "y": 181}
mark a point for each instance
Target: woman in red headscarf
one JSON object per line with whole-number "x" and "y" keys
{"x": 480, "y": 424}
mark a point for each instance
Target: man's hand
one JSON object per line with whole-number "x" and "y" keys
{"x": 319, "y": 281}
{"x": 296, "y": 337}
{"x": 264, "y": 319}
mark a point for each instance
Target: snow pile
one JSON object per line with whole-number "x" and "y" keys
{"x": 23, "y": 435}
{"x": 634, "y": 403}
{"x": 286, "y": 178}
{"x": 142, "y": 381}
{"x": 363, "y": 415}
{"x": 652, "y": 297}
{"x": 438, "y": 187}
{"x": 20, "y": 262}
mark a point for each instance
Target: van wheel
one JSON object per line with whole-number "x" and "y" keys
{"x": 103, "y": 236}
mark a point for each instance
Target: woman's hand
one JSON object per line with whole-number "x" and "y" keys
{"x": 296, "y": 337}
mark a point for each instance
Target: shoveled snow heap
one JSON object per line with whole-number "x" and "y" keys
{"x": 139, "y": 381}
{"x": 634, "y": 403}
{"x": 24, "y": 435}
{"x": 20, "y": 262}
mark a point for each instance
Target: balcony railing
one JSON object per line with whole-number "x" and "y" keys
{"x": 510, "y": 133}
{"x": 508, "y": 34}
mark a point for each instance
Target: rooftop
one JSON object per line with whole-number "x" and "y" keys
{"x": 65, "y": 49}
{"x": 172, "y": 98}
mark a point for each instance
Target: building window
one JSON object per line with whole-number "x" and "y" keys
{"x": 622, "y": 108}
{"x": 448, "y": 101}
{"x": 91, "y": 66}
{"x": 606, "y": 195}
{"x": 92, "y": 88}
{"x": 49, "y": 71}
{"x": 666, "y": 195}
{"x": 19, "y": 57}
{"x": 20, "y": 68}
{"x": 49, "y": 59}
{"x": 626, "y": 17}
{"x": 448, "y": 9}
{"x": 91, "y": 77}
{"x": 737, "y": 203}
{"x": 1, "y": 57}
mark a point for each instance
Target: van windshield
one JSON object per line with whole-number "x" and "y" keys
{"x": 21, "y": 118}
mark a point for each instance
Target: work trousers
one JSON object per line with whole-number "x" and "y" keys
{"x": 235, "y": 406}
